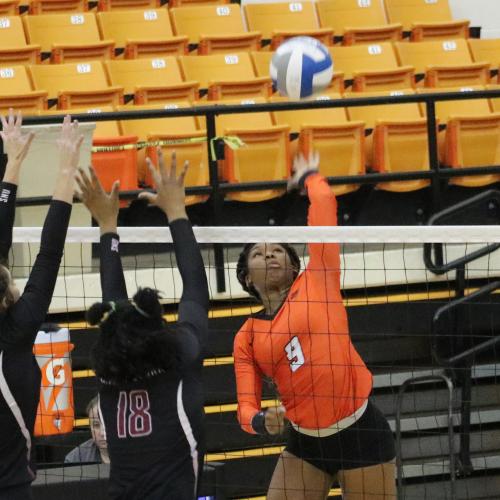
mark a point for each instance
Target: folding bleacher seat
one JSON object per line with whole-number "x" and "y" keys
{"x": 9, "y": 7}
{"x": 426, "y": 19}
{"x": 358, "y": 21}
{"x": 17, "y": 91}
{"x": 151, "y": 80}
{"x": 141, "y": 33}
{"x": 329, "y": 131}
{"x": 13, "y": 46}
{"x": 68, "y": 37}
{"x": 57, "y": 6}
{"x": 401, "y": 146}
{"x": 228, "y": 76}
{"x": 215, "y": 28}
{"x": 279, "y": 21}
{"x": 104, "y": 5}
{"x": 173, "y": 129}
{"x": 76, "y": 85}
{"x": 486, "y": 50}
{"x": 372, "y": 67}
{"x": 461, "y": 145}
{"x": 265, "y": 155}
{"x": 445, "y": 63}
{"x": 473, "y": 142}
{"x": 495, "y": 102}
{"x": 395, "y": 113}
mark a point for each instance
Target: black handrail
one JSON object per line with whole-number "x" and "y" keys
{"x": 447, "y": 308}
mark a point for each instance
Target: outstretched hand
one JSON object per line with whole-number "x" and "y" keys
{"x": 69, "y": 143}
{"x": 104, "y": 207}
{"x": 302, "y": 165}
{"x": 170, "y": 193}
{"x": 15, "y": 144}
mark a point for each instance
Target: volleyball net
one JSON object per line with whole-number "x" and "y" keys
{"x": 424, "y": 315}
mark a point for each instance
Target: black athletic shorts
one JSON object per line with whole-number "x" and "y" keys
{"x": 369, "y": 441}
{"x": 22, "y": 492}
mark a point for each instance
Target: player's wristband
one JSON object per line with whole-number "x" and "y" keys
{"x": 259, "y": 423}
{"x": 305, "y": 175}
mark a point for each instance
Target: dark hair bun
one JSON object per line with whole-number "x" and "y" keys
{"x": 97, "y": 312}
{"x": 149, "y": 301}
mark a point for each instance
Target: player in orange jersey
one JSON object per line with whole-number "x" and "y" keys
{"x": 301, "y": 341}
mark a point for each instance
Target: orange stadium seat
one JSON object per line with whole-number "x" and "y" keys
{"x": 68, "y": 37}
{"x": 104, "y": 5}
{"x": 179, "y": 3}
{"x": 445, "y": 63}
{"x": 13, "y": 47}
{"x": 151, "y": 80}
{"x": 279, "y": 21}
{"x": 9, "y": 7}
{"x": 372, "y": 67}
{"x": 57, "y": 6}
{"x": 215, "y": 28}
{"x": 393, "y": 112}
{"x": 172, "y": 129}
{"x": 76, "y": 85}
{"x": 228, "y": 76}
{"x": 342, "y": 145}
{"x": 427, "y": 20}
{"x": 265, "y": 155}
{"x": 141, "y": 33}
{"x": 486, "y": 50}
{"x": 401, "y": 146}
{"x": 17, "y": 91}
{"x": 358, "y": 22}
{"x": 472, "y": 142}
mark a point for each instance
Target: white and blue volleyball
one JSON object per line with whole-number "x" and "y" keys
{"x": 300, "y": 67}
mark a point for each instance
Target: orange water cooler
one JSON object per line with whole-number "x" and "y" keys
{"x": 55, "y": 413}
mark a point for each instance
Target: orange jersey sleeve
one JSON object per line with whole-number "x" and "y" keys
{"x": 323, "y": 212}
{"x": 248, "y": 380}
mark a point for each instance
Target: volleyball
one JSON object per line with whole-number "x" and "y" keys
{"x": 300, "y": 67}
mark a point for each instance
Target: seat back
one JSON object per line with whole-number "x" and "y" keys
{"x": 289, "y": 16}
{"x": 105, "y": 5}
{"x": 408, "y": 12}
{"x": 132, "y": 73}
{"x": 57, "y": 6}
{"x": 356, "y": 58}
{"x": 261, "y": 61}
{"x": 49, "y": 29}
{"x": 485, "y": 50}
{"x": 178, "y": 3}
{"x": 195, "y": 21}
{"x": 433, "y": 53}
{"x": 217, "y": 67}
{"x": 307, "y": 117}
{"x": 123, "y": 25}
{"x": 472, "y": 107}
{"x": 396, "y": 112}
{"x": 342, "y": 14}
{"x": 15, "y": 80}
{"x": 11, "y": 32}
{"x": 56, "y": 78}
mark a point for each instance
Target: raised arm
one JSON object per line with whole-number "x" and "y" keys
{"x": 104, "y": 209}
{"x": 322, "y": 212}
{"x": 26, "y": 315}
{"x": 15, "y": 146}
{"x": 248, "y": 385}
{"x": 170, "y": 197}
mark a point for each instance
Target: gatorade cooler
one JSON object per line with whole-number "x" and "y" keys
{"x": 55, "y": 413}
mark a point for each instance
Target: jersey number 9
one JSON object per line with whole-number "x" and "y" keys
{"x": 133, "y": 418}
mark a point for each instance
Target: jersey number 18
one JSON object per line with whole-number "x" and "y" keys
{"x": 133, "y": 418}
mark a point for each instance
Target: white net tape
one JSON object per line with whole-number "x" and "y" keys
{"x": 288, "y": 234}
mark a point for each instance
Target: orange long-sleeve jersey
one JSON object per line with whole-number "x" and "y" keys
{"x": 306, "y": 347}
